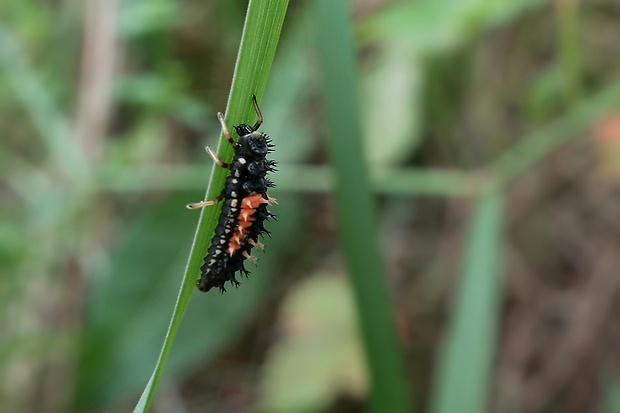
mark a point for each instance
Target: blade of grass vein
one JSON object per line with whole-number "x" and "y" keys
{"x": 260, "y": 36}
{"x": 356, "y": 214}
{"x": 463, "y": 375}
{"x": 536, "y": 146}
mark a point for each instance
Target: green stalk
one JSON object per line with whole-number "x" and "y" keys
{"x": 261, "y": 33}
{"x": 534, "y": 147}
{"x": 568, "y": 46}
{"x": 355, "y": 209}
{"x": 303, "y": 179}
{"x": 464, "y": 372}
{"x": 507, "y": 167}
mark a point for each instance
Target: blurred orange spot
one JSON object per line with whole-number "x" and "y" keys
{"x": 607, "y": 130}
{"x": 605, "y": 137}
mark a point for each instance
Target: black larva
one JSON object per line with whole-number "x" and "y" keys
{"x": 244, "y": 211}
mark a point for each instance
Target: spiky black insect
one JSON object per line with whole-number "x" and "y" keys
{"x": 244, "y": 211}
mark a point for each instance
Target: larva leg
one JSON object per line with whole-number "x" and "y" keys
{"x": 217, "y": 160}
{"x": 250, "y": 257}
{"x": 229, "y": 138}
{"x": 203, "y": 204}
{"x": 256, "y": 244}
{"x": 260, "y": 115}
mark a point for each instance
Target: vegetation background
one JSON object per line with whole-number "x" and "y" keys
{"x": 492, "y": 139}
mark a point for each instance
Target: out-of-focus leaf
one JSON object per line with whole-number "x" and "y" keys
{"x": 463, "y": 375}
{"x": 355, "y": 208}
{"x": 30, "y": 20}
{"x": 291, "y": 81}
{"x": 140, "y": 17}
{"x": 543, "y": 95}
{"x": 319, "y": 356}
{"x": 391, "y": 111}
{"x": 611, "y": 395}
{"x": 433, "y": 25}
{"x": 130, "y": 301}
{"x": 150, "y": 90}
{"x": 53, "y": 128}
{"x": 404, "y": 33}
{"x": 534, "y": 147}
{"x": 606, "y": 140}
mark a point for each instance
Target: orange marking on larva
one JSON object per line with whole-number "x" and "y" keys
{"x": 243, "y": 225}
{"x": 249, "y": 207}
{"x": 246, "y": 215}
{"x": 236, "y": 240}
{"x": 239, "y": 236}
{"x": 232, "y": 248}
{"x": 253, "y": 201}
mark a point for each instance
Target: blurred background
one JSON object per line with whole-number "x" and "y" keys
{"x": 106, "y": 106}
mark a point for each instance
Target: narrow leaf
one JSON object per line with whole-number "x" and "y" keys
{"x": 260, "y": 37}
{"x": 465, "y": 363}
{"x": 356, "y": 214}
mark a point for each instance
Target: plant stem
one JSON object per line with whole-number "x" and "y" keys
{"x": 355, "y": 209}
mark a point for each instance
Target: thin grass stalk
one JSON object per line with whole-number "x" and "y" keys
{"x": 355, "y": 209}
{"x": 507, "y": 167}
{"x": 261, "y": 33}
{"x": 534, "y": 147}
{"x": 464, "y": 373}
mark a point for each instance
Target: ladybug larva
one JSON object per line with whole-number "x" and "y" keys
{"x": 244, "y": 211}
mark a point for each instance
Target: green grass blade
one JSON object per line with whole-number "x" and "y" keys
{"x": 464, "y": 369}
{"x": 260, "y": 37}
{"x": 355, "y": 209}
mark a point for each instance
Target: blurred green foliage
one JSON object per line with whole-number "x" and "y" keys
{"x": 458, "y": 102}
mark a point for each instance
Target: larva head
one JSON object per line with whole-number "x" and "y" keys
{"x": 244, "y": 129}
{"x": 251, "y": 143}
